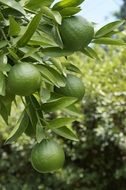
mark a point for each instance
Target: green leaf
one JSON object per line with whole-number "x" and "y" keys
{"x": 41, "y": 43}
{"x": 55, "y": 96}
{"x": 14, "y": 27}
{"x": 35, "y": 102}
{"x": 44, "y": 94}
{"x": 57, "y": 17}
{"x": 60, "y": 122}
{"x": 30, "y": 130}
{"x": 6, "y": 100}
{"x": 73, "y": 110}
{"x": 30, "y": 30}
{"x": 1, "y": 16}
{"x": 57, "y": 37}
{"x": 6, "y": 105}
{"x": 54, "y": 15}
{"x": 108, "y": 28}
{"x": 3, "y": 63}
{"x": 10, "y": 11}
{"x": 39, "y": 132}
{"x": 31, "y": 111}
{"x": 42, "y": 40}
{"x": 110, "y": 34}
{"x": 19, "y": 128}
{"x": 86, "y": 52}
{"x": 4, "y": 112}
{"x": 69, "y": 11}
{"x": 56, "y": 52}
{"x": 47, "y": 74}
{"x": 72, "y": 68}
{"x": 2, "y": 84}
{"x": 58, "y": 104}
{"x": 30, "y": 52}
{"x": 57, "y": 63}
{"x": 60, "y": 80}
{"x": 109, "y": 41}
{"x": 14, "y": 5}
{"x": 3, "y": 59}
{"x": 5, "y": 67}
{"x": 52, "y": 75}
{"x": 13, "y": 53}
{"x": 36, "y": 106}
{"x": 45, "y": 25}
{"x": 3, "y": 43}
{"x": 37, "y": 4}
{"x": 90, "y": 52}
{"x": 27, "y": 51}
{"x": 66, "y": 132}
{"x": 67, "y": 3}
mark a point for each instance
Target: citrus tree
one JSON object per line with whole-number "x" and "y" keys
{"x": 36, "y": 36}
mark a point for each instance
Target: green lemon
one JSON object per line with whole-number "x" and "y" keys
{"x": 47, "y": 156}
{"x": 74, "y": 87}
{"x": 24, "y": 79}
{"x": 76, "y": 33}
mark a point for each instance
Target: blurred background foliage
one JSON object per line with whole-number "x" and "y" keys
{"x": 98, "y": 160}
{"x": 122, "y": 12}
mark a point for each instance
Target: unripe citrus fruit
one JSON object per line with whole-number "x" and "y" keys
{"x": 74, "y": 87}
{"x": 24, "y": 79}
{"x": 47, "y": 156}
{"x": 76, "y": 33}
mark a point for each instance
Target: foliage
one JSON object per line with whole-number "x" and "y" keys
{"x": 122, "y": 12}
{"x": 30, "y": 34}
{"x": 98, "y": 160}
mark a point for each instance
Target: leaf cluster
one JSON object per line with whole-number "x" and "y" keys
{"x": 29, "y": 33}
